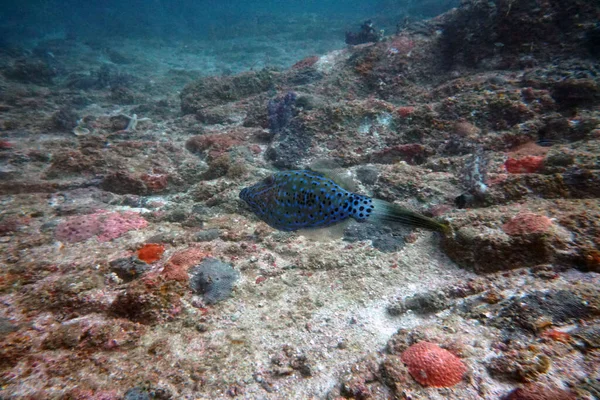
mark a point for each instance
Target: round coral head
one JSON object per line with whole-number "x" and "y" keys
{"x": 150, "y": 253}
{"x": 430, "y": 365}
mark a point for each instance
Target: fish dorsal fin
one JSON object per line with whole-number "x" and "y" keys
{"x": 330, "y": 169}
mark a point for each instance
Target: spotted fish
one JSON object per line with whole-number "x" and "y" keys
{"x": 293, "y": 200}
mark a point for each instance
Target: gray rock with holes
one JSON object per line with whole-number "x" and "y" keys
{"x": 213, "y": 279}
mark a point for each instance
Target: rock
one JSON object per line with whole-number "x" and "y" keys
{"x": 123, "y": 183}
{"x": 538, "y": 310}
{"x": 290, "y": 145}
{"x": 128, "y": 268}
{"x": 31, "y": 71}
{"x": 213, "y": 279}
{"x": 503, "y": 26}
{"x": 6, "y": 327}
{"x": 137, "y": 394}
{"x": 212, "y": 91}
{"x": 79, "y": 228}
{"x": 207, "y": 235}
{"x": 384, "y": 238}
{"x": 143, "y": 303}
{"x": 589, "y": 335}
{"x": 526, "y": 240}
{"x": 535, "y": 391}
{"x": 65, "y": 119}
{"x": 519, "y": 365}
{"x": 421, "y": 303}
{"x": 367, "y": 175}
{"x": 576, "y": 92}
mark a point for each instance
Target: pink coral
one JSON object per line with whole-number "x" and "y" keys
{"x": 106, "y": 226}
{"x": 116, "y": 224}
{"x": 78, "y": 229}
{"x": 430, "y": 365}
{"x": 527, "y": 223}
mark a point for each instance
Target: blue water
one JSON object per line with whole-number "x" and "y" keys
{"x": 304, "y": 20}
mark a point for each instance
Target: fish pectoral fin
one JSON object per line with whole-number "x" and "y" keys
{"x": 329, "y": 234}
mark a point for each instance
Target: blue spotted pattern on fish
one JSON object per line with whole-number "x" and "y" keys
{"x": 293, "y": 200}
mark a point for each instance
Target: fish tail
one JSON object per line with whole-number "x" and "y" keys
{"x": 388, "y": 212}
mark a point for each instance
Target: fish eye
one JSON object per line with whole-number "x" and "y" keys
{"x": 269, "y": 180}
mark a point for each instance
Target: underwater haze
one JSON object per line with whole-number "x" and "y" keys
{"x": 238, "y": 34}
{"x": 391, "y": 199}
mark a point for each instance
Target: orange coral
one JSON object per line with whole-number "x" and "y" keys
{"x": 557, "y": 336}
{"x": 430, "y": 365}
{"x": 150, "y": 253}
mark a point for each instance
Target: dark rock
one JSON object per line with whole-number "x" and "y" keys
{"x": 290, "y": 139}
{"x": 213, "y": 279}
{"x": 201, "y": 211}
{"x": 384, "y": 238}
{"x": 280, "y": 112}
{"x": 212, "y": 91}
{"x": 505, "y": 31}
{"x": 74, "y": 162}
{"x": 421, "y": 303}
{"x": 589, "y": 335}
{"x": 142, "y": 304}
{"x": 31, "y": 71}
{"x": 538, "y": 309}
{"x": 367, "y": 34}
{"x": 207, "y": 235}
{"x": 128, "y": 268}
{"x": 64, "y": 119}
{"x": 301, "y": 364}
{"x": 49, "y": 226}
{"x": 216, "y": 115}
{"x": 412, "y": 153}
{"x": 288, "y": 148}
{"x": 519, "y": 364}
{"x": 6, "y": 327}
{"x": 133, "y": 201}
{"x": 367, "y": 175}
{"x": 123, "y": 95}
{"x": 123, "y": 183}
{"x": 485, "y": 250}
{"x": 593, "y": 40}
{"x": 576, "y": 92}
{"x": 137, "y": 394}
{"x": 169, "y": 238}
{"x": 536, "y": 391}
{"x": 176, "y": 215}
{"x": 160, "y": 394}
